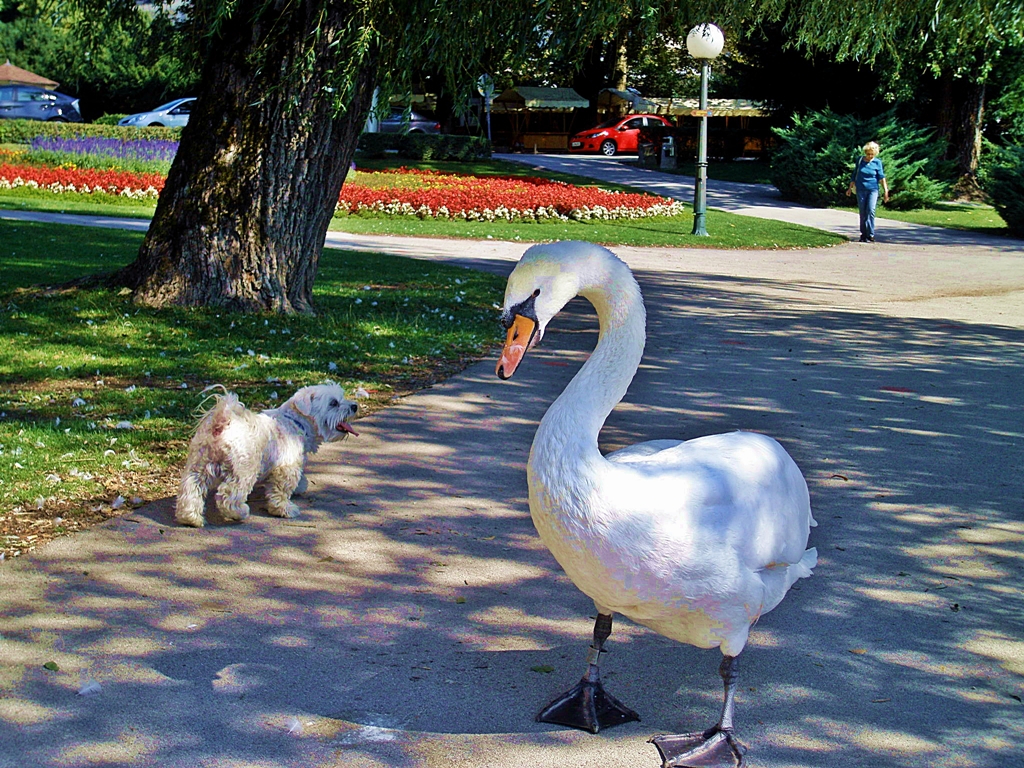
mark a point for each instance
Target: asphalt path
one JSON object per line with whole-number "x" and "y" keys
{"x": 410, "y": 616}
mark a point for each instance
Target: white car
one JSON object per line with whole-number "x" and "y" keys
{"x": 173, "y": 114}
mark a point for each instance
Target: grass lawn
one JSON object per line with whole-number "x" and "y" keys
{"x": 966, "y": 216}
{"x": 727, "y": 230}
{"x": 98, "y": 396}
{"x": 75, "y": 202}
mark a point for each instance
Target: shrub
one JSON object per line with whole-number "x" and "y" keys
{"x": 813, "y": 161}
{"x": 421, "y": 146}
{"x": 378, "y": 144}
{"x": 23, "y": 131}
{"x": 1003, "y": 180}
{"x": 109, "y": 119}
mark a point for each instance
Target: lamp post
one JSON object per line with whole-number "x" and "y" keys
{"x": 485, "y": 86}
{"x": 704, "y": 43}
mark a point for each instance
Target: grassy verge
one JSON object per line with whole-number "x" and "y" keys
{"x": 97, "y": 396}
{"x": 727, "y": 230}
{"x": 968, "y": 217}
{"x": 94, "y": 204}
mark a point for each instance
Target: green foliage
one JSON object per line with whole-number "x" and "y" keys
{"x": 112, "y": 119}
{"x": 422, "y": 146}
{"x": 114, "y": 55}
{"x": 378, "y": 145}
{"x": 814, "y": 159}
{"x": 23, "y": 131}
{"x": 419, "y": 146}
{"x": 1005, "y": 110}
{"x": 1003, "y": 180}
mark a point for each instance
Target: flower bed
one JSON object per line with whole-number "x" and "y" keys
{"x": 401, "y": 192}
{"x": 405, "y": 192}
{"x": 123, "y": 183}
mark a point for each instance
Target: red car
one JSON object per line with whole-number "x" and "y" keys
{"x": 617, "y": 135}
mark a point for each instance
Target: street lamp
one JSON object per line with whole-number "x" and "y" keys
{"x": 704, "y": 43}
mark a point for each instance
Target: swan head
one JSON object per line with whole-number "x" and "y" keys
{"x": 546, "y": 278}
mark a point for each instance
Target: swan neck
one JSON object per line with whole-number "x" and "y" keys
{"x": 578, "y": 414}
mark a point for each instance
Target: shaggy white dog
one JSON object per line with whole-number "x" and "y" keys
{"x": 235, "y": 448}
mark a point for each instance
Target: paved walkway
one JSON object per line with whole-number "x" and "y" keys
{"x": 760, "y": 200}
{"x": 410, "y": 617}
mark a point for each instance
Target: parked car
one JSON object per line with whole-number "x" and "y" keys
{"x": 399, "y": 121}
{"x": 173, "y": 114}
{"x": 30, "y": 102}
{"x": 620, "y": 134}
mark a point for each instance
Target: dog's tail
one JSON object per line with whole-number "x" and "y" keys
{"x": 202, "y": 409}
{"x": 203, "y": 466}
{"x": 216, "y": 417}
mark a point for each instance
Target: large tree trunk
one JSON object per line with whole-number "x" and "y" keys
{"x": 968, "y": 146}
{"x": 961, "y": 109}
{"x": 241, "y": 221}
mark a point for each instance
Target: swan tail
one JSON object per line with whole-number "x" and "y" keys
{"x": 778, "y": 579}
{"x": 804, "y": 568}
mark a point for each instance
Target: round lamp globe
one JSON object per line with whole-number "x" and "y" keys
{"x": 705, "y": 41}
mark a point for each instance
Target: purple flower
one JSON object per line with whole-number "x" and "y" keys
{"x": 120, "y": 149}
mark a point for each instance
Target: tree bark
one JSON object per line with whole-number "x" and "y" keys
{"x": 240, "y": 223}
{"x": 961, "y": 110}
{"x": 968, "y": 148}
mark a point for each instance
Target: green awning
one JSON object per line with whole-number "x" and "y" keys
{"x": 719, "y": 107}
{"x": 527, "y": 98}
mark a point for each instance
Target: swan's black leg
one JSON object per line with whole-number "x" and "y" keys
{"x": 588, "y": 706}
{"x": 717, "y": 746}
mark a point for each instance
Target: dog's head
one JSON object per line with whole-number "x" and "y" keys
{"x": 326, "y": 408}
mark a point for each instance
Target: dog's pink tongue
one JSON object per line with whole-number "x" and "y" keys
{"x": 346, "y": 428}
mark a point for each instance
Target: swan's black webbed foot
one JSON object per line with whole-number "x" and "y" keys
{"x": 717, "y": 746}
{"x": 713, "y": 747}
{"x": 587, "y": 707}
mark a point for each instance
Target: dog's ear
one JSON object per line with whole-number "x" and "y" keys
{"x": 303, "y": 402}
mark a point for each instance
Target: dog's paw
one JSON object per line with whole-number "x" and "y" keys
{"x": 235, "y": 514}
{"x": 196, "y": 521}
{"x": 288, "y": 510}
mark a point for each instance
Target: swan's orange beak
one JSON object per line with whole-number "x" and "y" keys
{"x": 517, "y": 341}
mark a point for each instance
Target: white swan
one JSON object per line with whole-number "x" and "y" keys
{"x": 693, "y": 539}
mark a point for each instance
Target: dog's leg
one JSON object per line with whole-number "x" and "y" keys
{"x": 231, "y": 496}
{"x": 281, "y": 484}
{"x": 189, "y": 507}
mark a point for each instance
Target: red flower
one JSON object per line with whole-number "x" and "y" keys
{"x": 115, "y": 182}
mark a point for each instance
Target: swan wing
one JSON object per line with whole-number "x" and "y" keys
{"x": 739, "y": 490}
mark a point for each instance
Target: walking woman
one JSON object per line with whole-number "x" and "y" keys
{"x": 867, "y": 175}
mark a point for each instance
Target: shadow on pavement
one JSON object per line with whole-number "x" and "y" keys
{"x": 414, "y": 596}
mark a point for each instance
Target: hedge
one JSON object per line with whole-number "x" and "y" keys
{"x": 423, "y": 146}
{"x": 1003, "y": 179}
{"x": 813, "y": 161}
{"x": 23, "y": 131}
